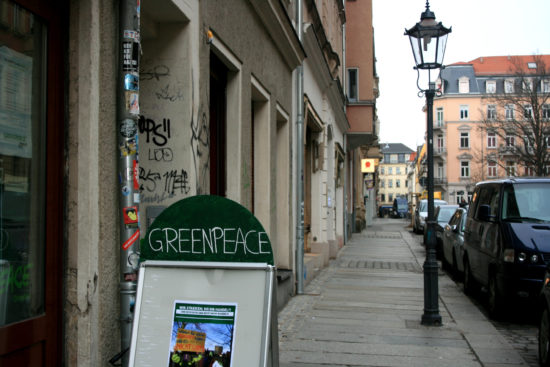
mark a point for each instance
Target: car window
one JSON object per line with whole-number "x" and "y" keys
{"x": 445, "y": 214}
{"x": 526, "y": 202}
{"x": 423, "y": 206}
{"x": 486, "y": 197}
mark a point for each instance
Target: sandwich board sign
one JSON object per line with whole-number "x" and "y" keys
{"x": 206, "y": 290}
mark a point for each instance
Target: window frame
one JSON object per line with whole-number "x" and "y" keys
{"x": 464, "y": 169}
{"x": 352, "y": 88}
{"x": 464, "y": 142}
{"x": 491, "y": 140}
{"x": 464, "y": 112}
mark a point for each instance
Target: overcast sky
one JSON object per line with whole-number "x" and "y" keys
{"x": 479, "y": 28}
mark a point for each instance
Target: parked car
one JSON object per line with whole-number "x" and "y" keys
{"x": 453, "y": 241}
{"x": 544, "y": 322}
{"x": 400, "y": 207}
{"x": 421, "y": 212}
{"x": 384, "y": 211}
{"x": 507, "y": 239}
{"x": 442, "y": 215}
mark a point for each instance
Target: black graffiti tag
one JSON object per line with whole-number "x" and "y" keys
{"x": 157, "y": 133}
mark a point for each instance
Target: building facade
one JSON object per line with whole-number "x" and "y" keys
{"x": 486, "y": 121}
{"x": 362, "y": 92}
{"x": 393, "y": 172}
{"x": 210, "y": 106}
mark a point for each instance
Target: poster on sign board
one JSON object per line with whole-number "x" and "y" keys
{"x": 202, "y": 334}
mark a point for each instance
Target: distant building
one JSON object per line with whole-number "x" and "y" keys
{"x": 392, "y": 172}
{"x": 465, "y": 154}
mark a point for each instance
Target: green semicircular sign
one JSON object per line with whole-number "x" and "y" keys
{"x": 207, "y": 228}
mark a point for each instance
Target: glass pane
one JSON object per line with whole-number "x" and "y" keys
{"x": 22, "y": 163}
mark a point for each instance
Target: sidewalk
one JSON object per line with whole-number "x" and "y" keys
{"x": 364, "y": 309}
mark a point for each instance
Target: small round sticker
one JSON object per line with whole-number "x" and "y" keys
{"x": 128, "y": 128}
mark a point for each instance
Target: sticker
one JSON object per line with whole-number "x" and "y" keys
{"x": 131, "y": 35}
{"x": 130, "y": 215}
{"x": 125, "y": 190}
{"x": 132, "y": 102}
{"x": 128, "y": 128}
{"x": 136, "y": 174}
{"x": 130, "y": 56}
{"x": 136, "y": 197}
{"x": 130, "y": 241}
{"x": 128, "y": 147}
{"x": 131, "y": 82}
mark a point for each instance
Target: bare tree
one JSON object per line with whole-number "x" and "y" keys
{"x": 520, "y": 115}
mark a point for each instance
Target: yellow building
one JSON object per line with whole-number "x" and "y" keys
{"x": 392, "y": 172}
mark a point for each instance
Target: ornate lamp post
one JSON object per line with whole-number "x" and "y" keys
{"x": 428, "y": 40}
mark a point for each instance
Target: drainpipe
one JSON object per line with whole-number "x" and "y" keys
{"x": 300, "y": 160}
{"x": 127, "y": 155}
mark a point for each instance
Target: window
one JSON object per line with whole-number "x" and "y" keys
{"x": 439, "y": 117}
{"x": 393, "y": 158}
{"x": 440, "y": 172}
{"x": 465, "y": 169}
{"x": 527, "y": 85}
{"x": 382, "y": 171}
{"x": 492, "y": 169}
{"x": 397, "y": 183}
{"x": 532, "y": 65}
{"x": 401, "y": 158}
{"x": 464, "y": 85}
{"x": 510, "y": 140}
{"x": 491, "y": 139}
{"x": 545, "y": 86}
{"x": 397, "y": 170}
{"x": 464, "y": 112}
{"x": 390, "y": 183}
{"x": 387, "y": 157}
{"x": 390, "y": 170}
{"x": 509, "y": 86}
{"x": 382, "y": 197}
{"x": 382, "y": 183}
{"x": 490, "y": 86}
{"x": 510, "y": 168}
{"x": 509, "y": 111}
{"x": 527, "y": 112}
{"x": 546, "y": 112}
{"x": 529, "y": 171}
{"x": 353, "y": 81}
{"x": 390, "y": 197}
{"x": 465, "y": 139}
{"x": 439, "y": 143}
{"x": 491, "y": 112}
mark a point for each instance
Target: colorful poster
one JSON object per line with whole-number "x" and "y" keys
{"x": 202, "y": 334}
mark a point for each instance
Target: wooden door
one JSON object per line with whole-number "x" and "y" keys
{"x": 31, "y": 181}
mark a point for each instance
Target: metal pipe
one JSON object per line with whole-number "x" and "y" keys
{"x": 127, "y": 138}
{"x": 299, "y": 159}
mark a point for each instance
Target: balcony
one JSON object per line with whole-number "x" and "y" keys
{"x": 439, "y": 125}
{"x": 507, "y": 150}
{"x": 440, "y": 181}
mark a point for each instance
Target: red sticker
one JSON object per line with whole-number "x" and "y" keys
{"x": 130, "y": 215}
{"x": 130, "y": 241}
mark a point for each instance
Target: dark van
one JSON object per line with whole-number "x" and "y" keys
{"x": 400, "y": 207}
{"x": 507, "y": 239}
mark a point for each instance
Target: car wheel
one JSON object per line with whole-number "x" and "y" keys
{"x": 544, "y": 338}
{"x": 469, "y": 285}
{"x": 494, "y": 298}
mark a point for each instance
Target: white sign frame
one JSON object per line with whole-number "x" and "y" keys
{"x": 248, "y": 285}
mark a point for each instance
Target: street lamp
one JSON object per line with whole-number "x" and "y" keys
{"x": 428, "y": 40}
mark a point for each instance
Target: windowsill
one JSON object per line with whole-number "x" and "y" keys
{"x": 464, "y": 148}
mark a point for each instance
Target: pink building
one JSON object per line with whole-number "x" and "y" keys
{"x": 480, "y": 119}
